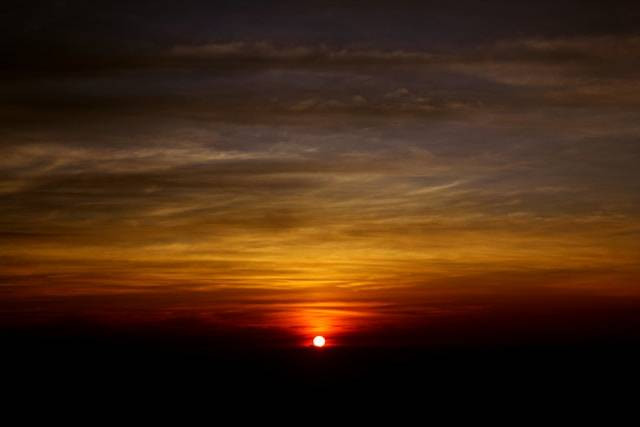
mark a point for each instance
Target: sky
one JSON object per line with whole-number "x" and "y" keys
{"x": 381, "y": 173}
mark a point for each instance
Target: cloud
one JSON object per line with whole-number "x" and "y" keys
{"x": 265, "y": 51}
{"x": 265, "y": 81}
{"x": 281, "y": 166}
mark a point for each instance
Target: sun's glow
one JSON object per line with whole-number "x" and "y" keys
{"x": 319, "y": 341}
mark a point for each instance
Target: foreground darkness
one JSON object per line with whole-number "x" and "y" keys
{"x": 145, "y": 365}
{"x": 585, "y": 350}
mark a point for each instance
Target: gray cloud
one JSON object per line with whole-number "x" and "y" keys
{"x": 251, "y": 163}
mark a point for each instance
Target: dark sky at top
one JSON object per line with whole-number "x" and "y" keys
{"x": 397, "y": 24}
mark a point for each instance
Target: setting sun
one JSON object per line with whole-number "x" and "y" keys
{"x": 319, "y": 341}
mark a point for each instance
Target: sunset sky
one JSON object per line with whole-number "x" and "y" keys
{"x": 375, "y": 172}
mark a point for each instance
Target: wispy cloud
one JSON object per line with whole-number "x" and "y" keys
{"x": 258, "y": 165}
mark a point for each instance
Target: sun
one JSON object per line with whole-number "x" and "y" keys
{"x": 319, "y": 341}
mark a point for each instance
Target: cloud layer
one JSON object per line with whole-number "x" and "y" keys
{"x": 353, "y": 173}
